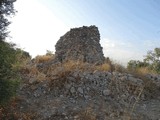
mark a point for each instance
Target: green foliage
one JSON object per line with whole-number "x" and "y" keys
{"x": 8, "y": 54}
{"x": 151, "y": 61}
{"x": 49, "y": 53}
{"x": 133, "y": 64}
{"x": 8, "y": 77}
{"x": 7, "y": 89}
{"x": 11, "y": 59}
{"x": 6, "y": 10}
{"x": 22, "y": 57}
{"x": 153, "y": 58}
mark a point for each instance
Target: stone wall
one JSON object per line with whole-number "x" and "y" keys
{"x": 80, "y": 44}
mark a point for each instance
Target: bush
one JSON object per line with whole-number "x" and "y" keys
{"x": 43, "y": 58}
{"x": 7, "y": 90}
{"x": 9, "y": 78}
{"x": 151, "y": 62}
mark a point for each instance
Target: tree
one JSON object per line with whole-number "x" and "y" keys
{"x": 6, "y": 10}
{"x": 151, "y": 61}
{"x": 153, "y": 58}
{"x": 8, "y": 77}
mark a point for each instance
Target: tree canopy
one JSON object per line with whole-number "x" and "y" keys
{"x": 6, "y": 10}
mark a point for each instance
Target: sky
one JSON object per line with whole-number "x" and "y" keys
{"x": 128, "y": 28}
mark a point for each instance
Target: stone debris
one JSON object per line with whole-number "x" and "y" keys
{"x": 106, "y": 92}
{"x": 80, "y": 90}
{"x": 72, "y": 90}
{"x": 109, "y": 96}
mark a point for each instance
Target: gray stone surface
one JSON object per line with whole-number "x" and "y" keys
{"x": 81, "y": 44}
{"x": 106, "y": 95}
{"x": 106, "y": 92}
{"x": 80, "y": 90}
{"x": 72, "y": 90}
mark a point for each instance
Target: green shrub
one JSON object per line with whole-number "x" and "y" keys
{"x": 8, "y": 77}
{"x": 151, "y": 62}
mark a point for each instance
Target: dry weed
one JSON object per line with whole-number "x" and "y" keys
{"x": 43, "y": 58}
{"x": 144, "y": 71}
{"x": 87, "y": 114}
{"x": 103, "y": 67}
{"x": 59, "y": 73}
{"x": 120, "y": 68}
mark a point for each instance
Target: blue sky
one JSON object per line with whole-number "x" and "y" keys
{"x": 128, "y": 28}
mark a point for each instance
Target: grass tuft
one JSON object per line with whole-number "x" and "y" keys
{"x": 43, "y": 58}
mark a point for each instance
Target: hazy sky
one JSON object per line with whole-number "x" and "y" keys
{"x": 128, "y": 28}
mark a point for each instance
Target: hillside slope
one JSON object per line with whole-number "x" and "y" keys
{"x": 82, "y": 92}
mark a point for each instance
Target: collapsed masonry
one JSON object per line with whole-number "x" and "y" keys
{"x": 80, "y": 44}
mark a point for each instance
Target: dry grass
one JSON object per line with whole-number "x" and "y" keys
{"x": 59, "y": 74}
{"x": 6, "y": 114}
{"x": 63, "y": 69}
{"x": 144, "y": 71}
{"x": 75, "y": 65}
{"x": 103, "y": 67}
{"x": 120, "y": 68}
{"x": 11, "y": 112}
{"x": 43, "y": 58}
{"x": 151, "y": 90}
{"x": 33, "y": 72}
{"x": 81, "y": 66}
{"x": 71, "y": 66}
{"x": 20, "y": 64}
{"x": 87, "y": 114}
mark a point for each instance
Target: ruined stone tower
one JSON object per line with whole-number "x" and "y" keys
{"x": 81, "y": 44}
